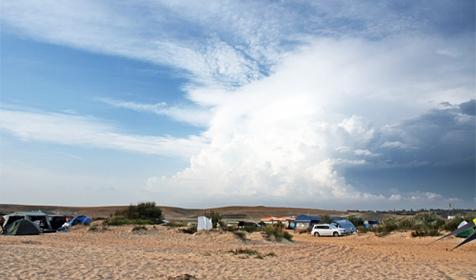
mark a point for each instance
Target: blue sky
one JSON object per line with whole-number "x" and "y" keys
{"x": 318, "y": 104}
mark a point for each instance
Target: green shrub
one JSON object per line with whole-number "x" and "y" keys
{"x": 120, "y": 220}
{"x": 406, "y": 223}
{"x": 356, "y": 221}
{"x": 452, "y": 224}
{"x": 143, "y": 211}
{"x": 428, "y": 221}
{"x": 387, "y": 226}
{"x": 276, "y": 233}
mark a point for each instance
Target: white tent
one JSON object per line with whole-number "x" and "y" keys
{"x": 204, "y": 223}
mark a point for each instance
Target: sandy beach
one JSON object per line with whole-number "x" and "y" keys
{"x": 166, "y": 253}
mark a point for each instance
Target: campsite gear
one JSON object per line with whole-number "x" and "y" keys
{"x": 56, "y": 221}
{"x": 22, "y": 227}
{"x": 38, "y": 217}
{"x": 204, "y": 223}
{"x": 462, "y": 228}
{"x": 81, "y": 219}
{"x": 306, "y": 222}
{"x": 465, "y": 233}
{"x": 470, "y": 238}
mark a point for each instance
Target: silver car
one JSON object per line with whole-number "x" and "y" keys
{"x": 327, "y": 230}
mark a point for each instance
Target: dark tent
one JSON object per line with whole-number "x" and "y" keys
{"x": 22, "y": 227}
{"x": 56, "y": 221}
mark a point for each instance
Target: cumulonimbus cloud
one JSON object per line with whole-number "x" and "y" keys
{"x": 287, "y": 134}
{"x": 288, "y": 103}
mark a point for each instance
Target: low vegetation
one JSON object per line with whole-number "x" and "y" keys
{"x": 240, "y": 234}
{"x": 141, "y": 214}
{"x": 276, "y": 233}
{"x": 121, "y": 220}
{"x": 250, "y": 252}
{"x": 98, "y": 228}
{"x": 189, "y": 230}
{"x": 421, "y": 224}
{"x": 175, "y": 224}
{"x": 139, "y": 229}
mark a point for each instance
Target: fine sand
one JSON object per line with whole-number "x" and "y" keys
{"x": 166, "y": 253}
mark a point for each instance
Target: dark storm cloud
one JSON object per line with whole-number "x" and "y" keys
{"x": 432, "y": 152}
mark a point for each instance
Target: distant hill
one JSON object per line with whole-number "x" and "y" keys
{"x": 230, "y": 212}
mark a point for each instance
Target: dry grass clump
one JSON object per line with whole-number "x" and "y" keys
{"x": 139, "y": 229}
{"x": 246, "y": 252}
{"x": 175, "y": 224}
{"x": 189, "y": 230}
{"x": 240, "y": 234}
{"x": 98, "y": 228}
{"x": 185, "y": 276}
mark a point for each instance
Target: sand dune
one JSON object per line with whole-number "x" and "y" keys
{"x": 164, "y": 253}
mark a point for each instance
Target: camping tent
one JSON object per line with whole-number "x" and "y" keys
{"x": 462, "y": 228}
{"x": 22, "y": 227}
{"x": 465, "y": 233}
{"x": 204, "y": 223}
{"x": 305, "y": 222}
{"x": 84, "y": 220}
{"x": 81, "y": 219}
{"x": 37, "y": 217}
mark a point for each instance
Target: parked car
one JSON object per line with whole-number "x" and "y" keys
{"x": 345, "y": 224}
{"x": 327, "y": 230}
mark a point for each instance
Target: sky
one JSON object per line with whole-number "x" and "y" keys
{"x": 322, "y": 104}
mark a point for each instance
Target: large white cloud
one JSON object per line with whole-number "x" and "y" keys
{"x": 283, "y": 136}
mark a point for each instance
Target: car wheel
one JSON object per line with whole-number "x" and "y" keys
{"x": 335, "y": 234}
{"x": 316, "y": 234}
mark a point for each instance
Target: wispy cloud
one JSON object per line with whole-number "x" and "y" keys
{"x": 89, "y": 132}
{"x": 192, "y": 115}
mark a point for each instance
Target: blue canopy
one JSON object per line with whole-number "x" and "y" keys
{"x": 307, "y": 219}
